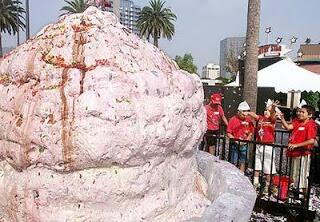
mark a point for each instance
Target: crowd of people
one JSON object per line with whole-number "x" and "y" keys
{"x": 246, "y": 126}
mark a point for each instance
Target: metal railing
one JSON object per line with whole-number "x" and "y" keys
{"x": 283, "y": 186}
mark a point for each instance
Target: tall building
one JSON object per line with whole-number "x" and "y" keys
{"x": 115, "y": 7}
{"x": 210, "y": 71}
{"x": 232, "y": 46}
{"x": 129, "y": 13}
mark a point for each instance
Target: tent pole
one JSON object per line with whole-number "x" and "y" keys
{"x": 292, "y": 99}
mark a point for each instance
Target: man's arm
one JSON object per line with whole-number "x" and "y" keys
{"x": 223, "y": 117}
{"x": 285, "y": 124}
{"x": 304, "y": 143}
{"x": 253, "y": 115}
{"x": 251, "y": 130}
{"x": 229, "y": 129}
{"x": 225, "y": 120}
{"x": 230, "y": 136}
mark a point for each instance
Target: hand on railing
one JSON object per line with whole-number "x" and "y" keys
{"x": 292, "y": 146}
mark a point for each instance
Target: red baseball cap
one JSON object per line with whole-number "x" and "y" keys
{"x": 216, "y": 98}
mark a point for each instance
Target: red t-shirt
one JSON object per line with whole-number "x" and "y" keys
{"x": 213, "y": 116}
{"x": 265, "y": 129}
{"x": 239, "y": 128}
{"x": 300, "y": 133}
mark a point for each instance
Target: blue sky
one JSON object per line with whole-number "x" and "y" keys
{"x": 202, "y": 24}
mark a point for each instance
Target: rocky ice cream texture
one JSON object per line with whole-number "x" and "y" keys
{"x": 98, "y": 124}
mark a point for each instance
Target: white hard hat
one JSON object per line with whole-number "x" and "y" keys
{"x": 244, "y": 106}
{"x": 302, "y": 103}
{"x": 268, "y": 103}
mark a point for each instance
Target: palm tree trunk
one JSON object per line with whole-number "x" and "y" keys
{"x": 156, "y": 39}
{"x": 251, "y": 62}
{"x": 18, "y": 37}
{"x": 18, "y": 28}
{"x": 0, "y": 45}
{"x": 27, "y": 21}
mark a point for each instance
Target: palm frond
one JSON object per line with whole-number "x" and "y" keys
{"x": 156, "y": 20}
{"x": 74, "y": 6}
{"x": 11, "y": 16}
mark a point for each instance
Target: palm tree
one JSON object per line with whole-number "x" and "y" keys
{"x": 11, "y": 18}
{"x": 74, "y": 6}
{"x": 156, "y": 21}
{"x": 251, "y": 61}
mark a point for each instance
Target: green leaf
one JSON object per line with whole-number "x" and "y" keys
{"x": 186, "y": 63}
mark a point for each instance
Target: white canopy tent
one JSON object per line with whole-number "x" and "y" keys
{"x": 286, "y": 76}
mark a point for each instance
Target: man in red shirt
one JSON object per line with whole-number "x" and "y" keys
{"x": 240, "y": 127}
{"x": 264, "y": 153}
{"x": 214, "y": 113}
{"x": 301, "y": 142}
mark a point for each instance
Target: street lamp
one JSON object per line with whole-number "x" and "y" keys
{"x": 268, "y": 31}
{"x": 308, "y": 41}
{"x": 293, "y": 39}
{"x": 279, "y": 40}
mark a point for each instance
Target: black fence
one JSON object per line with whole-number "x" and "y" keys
{"x": 282, "y": 183}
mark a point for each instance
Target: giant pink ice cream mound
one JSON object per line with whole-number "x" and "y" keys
{"x": 98, "y": 125}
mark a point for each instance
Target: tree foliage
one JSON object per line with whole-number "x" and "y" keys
{"x": 312, "y": 98}
{"x": 186, "y": 63}
{"x": 79, "y": 6}
{"x": 232, "y": 62}
{"x": 11, "y": 18}
{"x": 156, "y": 21}
{"x": 74, "y": 6}
{"x": 225, "y": 81}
